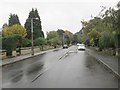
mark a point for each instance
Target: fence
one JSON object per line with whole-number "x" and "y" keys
{"x": 24, "y": 51}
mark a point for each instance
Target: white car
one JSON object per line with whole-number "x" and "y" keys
{"x": 81, "y": 47}
{"x": 78, "y": 44}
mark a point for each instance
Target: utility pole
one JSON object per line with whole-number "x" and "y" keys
{"x": 63, "y": 38}
{"x": 32, "y": 48}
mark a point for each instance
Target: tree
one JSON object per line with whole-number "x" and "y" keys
{"x": 60, "y": 34}
{"x": 37, "y": 28}
{"x": 13, "y": 19}
{"x": 26, "y": 42}
{"x": 40, "y": 42}
{"x": 94, "y": 36}
{"x": 106, "y": 40}
{"x": 68, "y": 37}
{"x": 53, "y": 38}
{"x": 77, "y": 38}
{"x": 114, "y": 20}
{"x": 18, "y": 32}
{"x": 88, "y": 26}
{"x": 54, "y": 42}
{"x": 104, "y": 30}
{"x": 52, "y": 34}
{"x": 15, "y": 29}
{"x": 9, "y": 44}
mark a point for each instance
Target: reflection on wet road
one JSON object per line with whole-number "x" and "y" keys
{"x": 63, "y": 68}
{"x": 27, "y": 70}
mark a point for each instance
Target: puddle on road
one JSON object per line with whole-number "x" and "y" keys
{"x": 29, "y": 74}
{"x": 34, "y": 69}
{"x": 69, "y": 53}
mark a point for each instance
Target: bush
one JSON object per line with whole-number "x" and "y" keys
{"x": 9, "y": 44}
{"x": 26, "y": 42}
{"x": 106, "y": 40}
{"x": 40, "y": 42}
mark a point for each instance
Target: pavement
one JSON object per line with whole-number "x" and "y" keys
{"x": 22, "y": 57}
{"x": 110, "y": 62}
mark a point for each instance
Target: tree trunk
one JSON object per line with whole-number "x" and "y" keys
{"x": 9, "y": 53}
{"x": 20, "y": 50}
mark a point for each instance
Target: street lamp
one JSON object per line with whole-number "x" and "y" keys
{"x": 32, "y": 48}
{"x": 63, "y": 38}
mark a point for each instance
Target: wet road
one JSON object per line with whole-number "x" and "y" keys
{"x": 65, "y": 68}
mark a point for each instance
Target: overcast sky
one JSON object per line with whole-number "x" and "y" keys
{"x": 54, "y": 14}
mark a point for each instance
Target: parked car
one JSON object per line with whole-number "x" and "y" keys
{"x": 65, "y": 46}
{"x": 81, "y": 47}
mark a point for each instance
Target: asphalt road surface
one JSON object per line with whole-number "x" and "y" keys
{"x": 64, "y": 68}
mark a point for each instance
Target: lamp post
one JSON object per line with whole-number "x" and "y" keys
{"x": 63, "y": 38}
{"x": 32, "y": 48}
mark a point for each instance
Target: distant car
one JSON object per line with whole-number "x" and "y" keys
{"x": 65, "y": 46}
{"x": 81, "y": 47}
{"x": 78, "y": 44}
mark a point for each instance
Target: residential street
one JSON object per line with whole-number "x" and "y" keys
{"x": 63, "y": 68}
{"x": 60, "y": 44}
